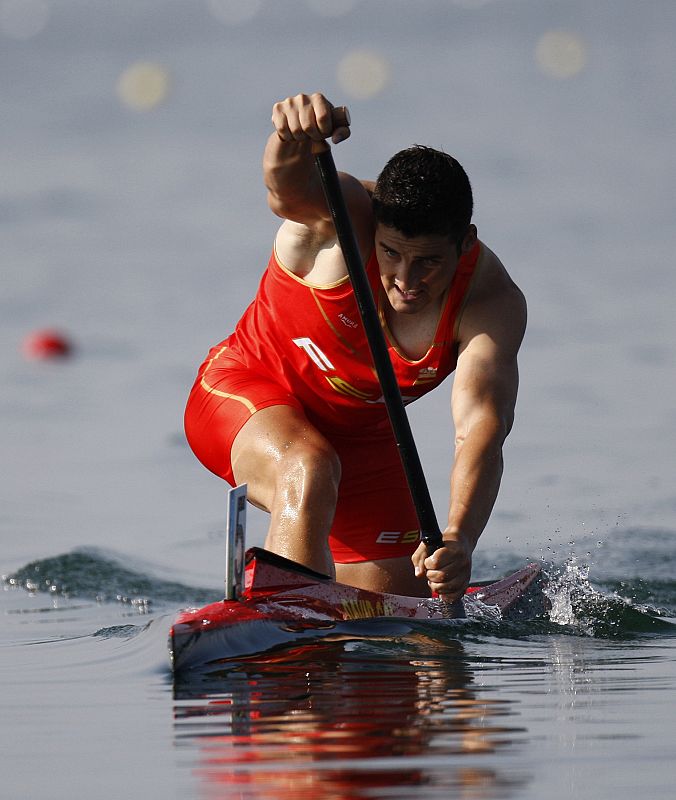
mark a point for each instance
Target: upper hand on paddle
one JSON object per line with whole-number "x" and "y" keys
{"x": 312, "y": 117}
{"x": 448, "y": 569}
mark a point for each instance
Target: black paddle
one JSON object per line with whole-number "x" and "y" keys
{"x": 429, "y": 527}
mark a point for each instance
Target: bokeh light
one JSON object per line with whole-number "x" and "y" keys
{"x": 234, "y": 12}
{"x": 363, "y": 74}
{"x": 331, "y": 8}
{"x": 561, "y": 54}
{"x": 22, "y": 19}
{"x": 144, "y": 86}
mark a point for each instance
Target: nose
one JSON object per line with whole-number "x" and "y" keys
{"x": 407, "y": 278}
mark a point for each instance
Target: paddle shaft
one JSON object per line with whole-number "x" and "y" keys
{"x": 429, "y": 527}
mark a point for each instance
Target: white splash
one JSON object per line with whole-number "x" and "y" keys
{"x": 476, "y": 609}
{"x": 565, "y": 592}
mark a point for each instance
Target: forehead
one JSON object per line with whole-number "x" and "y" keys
{"x": 426, "y": 244}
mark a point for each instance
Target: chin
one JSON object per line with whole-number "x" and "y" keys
{"x": 408, "y": 306}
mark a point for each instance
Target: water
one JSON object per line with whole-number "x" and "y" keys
{"x": 481, "y": 710}
{"x": 143, "y": 235}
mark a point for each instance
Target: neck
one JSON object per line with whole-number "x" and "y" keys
{"x": 412, "y": 334}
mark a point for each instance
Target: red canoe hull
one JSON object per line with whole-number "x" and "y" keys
{"x": 284, "y": 603}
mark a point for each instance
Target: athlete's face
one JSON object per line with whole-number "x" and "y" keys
{"x": 416, "y": 271}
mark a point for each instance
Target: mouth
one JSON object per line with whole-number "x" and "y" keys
{"x": 408, "y": 294}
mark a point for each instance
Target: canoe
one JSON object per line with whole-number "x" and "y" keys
{"x": 283, "y": 603}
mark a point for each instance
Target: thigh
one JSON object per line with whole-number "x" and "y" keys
{"x": 278, "y": 446}
{"x": 221, "y": 403}
{"x": 393, "y": 575}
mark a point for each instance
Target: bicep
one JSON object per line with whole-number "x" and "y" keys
{"x": 484, "y": 390}
{"x": 309, "y": 207}
{"x": 487, "y": 374}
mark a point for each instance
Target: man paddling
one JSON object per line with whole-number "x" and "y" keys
{"x": 289, "y": 403}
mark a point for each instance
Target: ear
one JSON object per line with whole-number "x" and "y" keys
{"x": 469, "y": 240}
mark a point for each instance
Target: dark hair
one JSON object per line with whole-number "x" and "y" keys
{"x": 424, "y": 191}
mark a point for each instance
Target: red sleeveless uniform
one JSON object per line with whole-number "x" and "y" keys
{"x": 304, "y": 346}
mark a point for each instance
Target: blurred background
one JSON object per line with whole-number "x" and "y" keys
{"x": 133, "y": 222}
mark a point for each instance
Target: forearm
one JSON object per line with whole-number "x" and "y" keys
{"x": 291, "y": 178}
{"x": 475, "y": 481}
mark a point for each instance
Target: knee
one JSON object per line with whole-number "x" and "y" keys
{"x": 314, "y": 465}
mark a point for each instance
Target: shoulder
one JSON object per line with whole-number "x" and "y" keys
{"x": 496, "y": 307}
{"x": 310, "y": 248}
{"x": 489, "y": 337}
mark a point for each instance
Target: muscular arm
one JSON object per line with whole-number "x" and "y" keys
{"x": 294, "y": 189}
{"x": 306, "y": 242}
{"x": 483, "y": 402}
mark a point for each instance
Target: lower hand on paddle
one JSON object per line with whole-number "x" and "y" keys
{"x": 448, "y": 569}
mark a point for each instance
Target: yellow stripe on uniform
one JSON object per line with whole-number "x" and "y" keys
{"x": 344, "y": 387}
{"x": 336, "y": 332}
{"x": 227, "y": 395}
{"x": 250, "y": 406}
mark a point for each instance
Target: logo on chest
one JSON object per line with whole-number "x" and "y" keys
{"x": 426, "y": 375}
{"x": 349, "y": 323}
{"x": 337, "y": 383}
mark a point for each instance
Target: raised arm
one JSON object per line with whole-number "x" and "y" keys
{"x": 294, "y": 189}
{"x": 295, "y": 192}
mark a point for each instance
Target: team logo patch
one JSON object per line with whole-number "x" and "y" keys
{"x": 398, "y": 537}
{"x": 426, "y": 375}
{"x": 349, "y": 323}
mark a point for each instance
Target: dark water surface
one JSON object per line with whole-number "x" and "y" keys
{"x": 135, "y": 220}
{"x": 482, "y": 709}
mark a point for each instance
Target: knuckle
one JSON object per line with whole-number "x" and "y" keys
{"x": 323, "y": 117}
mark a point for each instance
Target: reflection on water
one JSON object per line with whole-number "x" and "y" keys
{"x": 348, "y": 720}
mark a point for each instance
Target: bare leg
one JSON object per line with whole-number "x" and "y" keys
{"x": 394, "y": 575}
{"x": 292, "y": 472}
